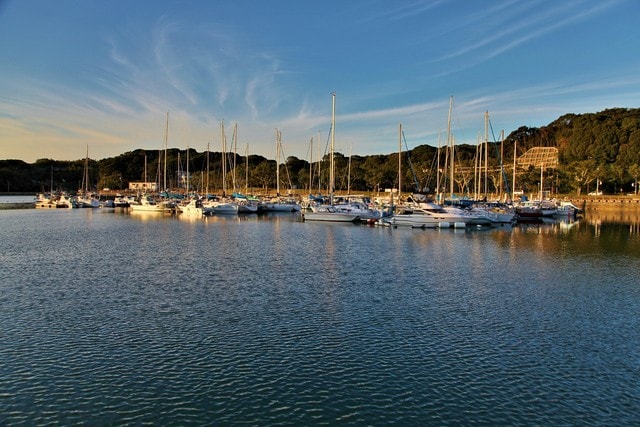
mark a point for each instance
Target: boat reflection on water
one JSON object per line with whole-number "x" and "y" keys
{"x": 181, "y": 322}
{"x": 593, "y": 235}
{"x": 148, "y": 215}
{"x": 623, "y": 220}
{"x": 619, "y": 219}
{"x": 621, "y": 216}
{"x": 548, "y": 225}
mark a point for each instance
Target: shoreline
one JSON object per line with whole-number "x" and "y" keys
{"x": 606, "y": 203}
{"x": 589, "y": 203}
{"x": 17, "y": 205}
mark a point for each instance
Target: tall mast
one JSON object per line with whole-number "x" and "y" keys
{"x": 515, "y": 151}
{"x": 453, "y": 145}
{"x": 333, "y": 137}
{"x": 145, "y": 172}
{"x": 319, "y": 166}
{"x": 542, "y": 183}
{"x": 486, "y": 153}
{"x": 224, "y": 159}
{"x": 399, "y": 160}
{"x": 207, "y": 186}
{"x": 501, "y": 163}
{"x": 349, "y": 174}
{"x": 476, "y": 170}
{"x": 246, "y": 170}
{"x": 481, "y": 163}
{"x": 310, "y": 164}
{"x": 187, "y": 181}
{"x": 158, "y": 180}
{"x": 277, "y": 163}
{"x": 180, "y": 177}
{"x": 450, "y": 143}
{"x": 166, "y": 143}
{"x": 85, "y": 178}
{"x": 235, "y": 151}
{"x": 438, "y": 172}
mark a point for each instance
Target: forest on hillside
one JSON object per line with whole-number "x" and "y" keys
{"x": 603, "y": 147}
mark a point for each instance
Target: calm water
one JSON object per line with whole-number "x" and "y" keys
{"x": 114, "y": 318}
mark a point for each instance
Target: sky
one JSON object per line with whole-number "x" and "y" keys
{"x": 78, "y": 75}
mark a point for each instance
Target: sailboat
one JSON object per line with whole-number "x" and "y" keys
{"x": 278, "y": 203}
{"x": 246, "y": 204}
{"x": 496, "y": 213}
{"x": 148, "y": 202}
{"x": 540, "y": 208}
{"x": 358, "y": 204}
{"x": 55, "y": 200}
{"x": 329, "y": 213}
{"x": 194, "y": 206}
{"x": 85, "y": 198}
{"x": 223, "y": 205}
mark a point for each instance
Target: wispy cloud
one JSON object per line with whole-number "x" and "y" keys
{"x": 397, "y": 11}
{"x": 556, "y": 19}
{"x": 515, "y": 23}
{"x": 408, "y": 59}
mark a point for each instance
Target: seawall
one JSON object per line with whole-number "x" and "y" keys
{"x": 606, "y": 203}
{"x": 17, "y": 205}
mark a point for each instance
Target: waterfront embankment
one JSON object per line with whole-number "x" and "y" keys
{"x": 616, "y": 209}
{"x": 591, "y": 203}
{"x": 19, "y": 205}
{"x": 17, "y": 201}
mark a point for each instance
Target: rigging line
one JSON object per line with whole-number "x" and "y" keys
{"x": 326, "y": 150}
{"x": 310, "y": 158}
{"x": 326, "y": 146}
{"x": 413, "y": 172}
{"x": 286, "y": 167}
{"x": 434, "y": 166}
{"x": 310, "y": 150}
{"x": 502, "y": 171}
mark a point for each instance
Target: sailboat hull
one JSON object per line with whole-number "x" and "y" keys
{"x": 329, "y": 214}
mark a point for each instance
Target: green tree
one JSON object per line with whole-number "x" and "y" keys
{"x": 264, "y": 174}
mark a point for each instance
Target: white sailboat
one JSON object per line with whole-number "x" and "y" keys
{"x": 194, "y": 206}
{"x": 279, "y": 203}
{"x": 246, "y": 204}
{"x": 223, "y": 205}
{"x": 495, "y": 212}
{"x": 85, "y": 198}
{"x": 55, "y": 200}
{"x": 328, "y": 212}
{"x": 357, "y": 205}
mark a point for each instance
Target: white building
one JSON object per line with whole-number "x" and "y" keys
{"x": 143, "y": 186}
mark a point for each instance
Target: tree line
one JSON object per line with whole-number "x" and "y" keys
{"x": 602, "y": 147}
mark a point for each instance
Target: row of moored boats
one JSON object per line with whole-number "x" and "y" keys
{"x": 415, "y": 211}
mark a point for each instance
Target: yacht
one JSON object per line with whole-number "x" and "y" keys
{"x": 329, "y": 213}
{"x": 193, "y": 208}
{"x": 427, "y": 215}
{"x": 146, "y": 203}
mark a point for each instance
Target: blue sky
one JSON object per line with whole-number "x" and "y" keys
{"x": 103, "y": 74}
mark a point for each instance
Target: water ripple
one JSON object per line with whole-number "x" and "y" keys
{"x": 273, "y": 323}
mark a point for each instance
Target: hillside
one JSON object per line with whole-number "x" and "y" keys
{"x": 603, "y": 145}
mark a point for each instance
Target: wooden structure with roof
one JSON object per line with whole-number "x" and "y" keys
{"x": 539, "y": 157}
